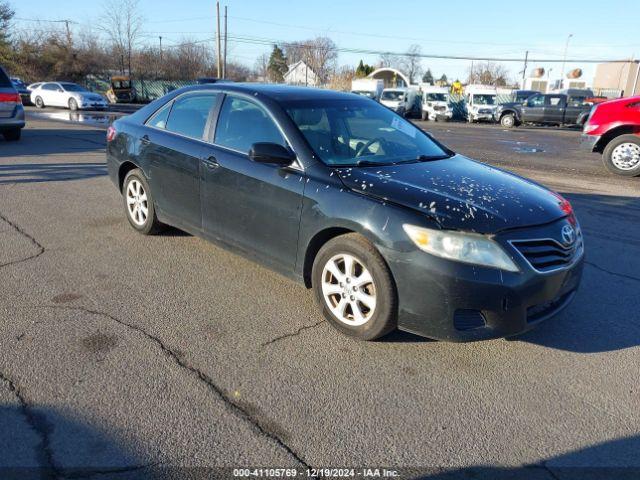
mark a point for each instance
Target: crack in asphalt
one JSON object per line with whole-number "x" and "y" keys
{"x": 38, "y": 245}
{"x": 294, "y": 334}
{"x": 200, "y": 375}
{"x": 610, "y": 272}
{"x": 39, "y": 426}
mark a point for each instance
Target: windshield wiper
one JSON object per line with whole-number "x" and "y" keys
{"x": 371, "y": 163}
{"x": 429, "y": 158}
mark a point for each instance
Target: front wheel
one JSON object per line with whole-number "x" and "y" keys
{"x": 622, "y": 155}
{"x": 508, "y": 121}
{"x": 354, "y": 287}
{"x": 138, "y": 204}
{"x": 73, "y": 105}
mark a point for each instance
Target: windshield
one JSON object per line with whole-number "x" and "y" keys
{"x": 121, "y": 84}
{"x": 484, "y": 99}
{"x": 392, "y": 95}
{"x": 352, "y": 132}
{"x": 72, "y": 87}
{"x": 436, "y": 97}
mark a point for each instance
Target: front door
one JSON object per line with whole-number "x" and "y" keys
{"x": 533, "y": 109}
{"x": 253, "y": 206}
{"x": 554, "y": 107}
{"x": 173, "y": 145}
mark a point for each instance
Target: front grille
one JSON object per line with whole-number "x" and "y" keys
{"x": 468, "y": 319}
{"x": 546, "y": 255}
{"x": 439, "y": 108}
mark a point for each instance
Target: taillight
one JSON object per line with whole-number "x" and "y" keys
{"x": 111, "y": 133}
{"x": 10, "y": 98}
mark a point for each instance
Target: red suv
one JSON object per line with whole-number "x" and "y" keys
{"x": 613, "y": 129}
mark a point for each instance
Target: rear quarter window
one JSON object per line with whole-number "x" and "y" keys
{"x": 4, "y": 80}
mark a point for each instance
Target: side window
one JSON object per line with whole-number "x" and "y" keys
{"x": 189, "y": 115}
{"x": 553, "y": 101}
{"x": 536, "y": 101}
{"x": 576, "y": 101}
{"x": 50, "y": 86}
{"x": 242, "y": 123}
{"x": 159, "y": 119}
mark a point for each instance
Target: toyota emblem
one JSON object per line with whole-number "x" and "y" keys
{"x": 568, "y": 235}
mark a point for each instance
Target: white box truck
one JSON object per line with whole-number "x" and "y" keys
{"x": 368, "y": 87}
{"x": 481, "y": 102}
{"x": 435, "y": 103}
{"x": 400, "y": 100}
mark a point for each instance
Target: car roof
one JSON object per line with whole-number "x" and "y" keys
{"x": 275, "y": 92}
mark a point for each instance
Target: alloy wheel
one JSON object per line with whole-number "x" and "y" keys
{"x": 137, "y": 203}
{"x": 626, "y": 156}
{"x": 348, "y": 289}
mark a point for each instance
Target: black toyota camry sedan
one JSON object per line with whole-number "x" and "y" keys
{"x": 390, "y": 228}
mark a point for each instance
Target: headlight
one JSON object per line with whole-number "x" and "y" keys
{"x": 461, "y": 247}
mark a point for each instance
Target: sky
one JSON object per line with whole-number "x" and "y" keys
{"x": 600, "y": 30}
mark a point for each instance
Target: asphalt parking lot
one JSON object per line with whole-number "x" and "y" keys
{"x": 122, "y": 355}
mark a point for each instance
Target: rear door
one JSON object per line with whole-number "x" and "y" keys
{"x": 48, "y": 93}
{"x": 575, "y": 106}
{"x": 254, "y": 206}
{"x": 554, "y": 106}
{"x": 533, "y": 109}
{"x": 172, "y": 147}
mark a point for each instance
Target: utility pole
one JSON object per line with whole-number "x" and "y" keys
{"x": 66, "y": 22}
{"x": 524, "y": 69}
{"x": 160, "y": 37}
{"x": 219, "y": 57}
{"x": 224, "y": 64}
{"x": 564, "y": 59}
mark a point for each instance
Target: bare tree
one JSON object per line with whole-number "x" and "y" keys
{"x": 261, "y": 67}
{"x": 320, "y": 54}
{"x": 389, "y": 60}
{"x": 411, "y": 63}
{"x": 340, "y": 78}
{"x": 122, "y": 23}
{"x": 488, "y": 73}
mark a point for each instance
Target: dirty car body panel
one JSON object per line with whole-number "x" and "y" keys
{"x": 281, "y": 215}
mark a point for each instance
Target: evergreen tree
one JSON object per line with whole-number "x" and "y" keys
{"x": 428, "y": 77}
{"x": 363, "y": 69}
{"x": 277, "y": 65}
{"x": 443, "y": 79}
{"x": 6, "y": 50}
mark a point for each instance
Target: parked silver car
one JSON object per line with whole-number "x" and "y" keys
{"x": 11, "y": 110}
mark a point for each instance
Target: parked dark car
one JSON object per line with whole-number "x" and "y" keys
{"x": 387, "y": 225}
{"x": 11, "y": 111}
{"x": 549, "y": 109}
{"x": 22, "y": 90}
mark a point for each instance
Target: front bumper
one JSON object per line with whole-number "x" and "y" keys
{"x": 92, "y": 104}
{"x": 438, "y": 298}
{"x": 588, "y": 142}
{"x": 482, "y": 116}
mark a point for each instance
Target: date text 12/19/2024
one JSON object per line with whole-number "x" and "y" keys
{"x": 316, "y": 472}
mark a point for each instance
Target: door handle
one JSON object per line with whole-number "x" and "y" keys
{"x": 145, "y": 140}
{"x": 210, "y": 162}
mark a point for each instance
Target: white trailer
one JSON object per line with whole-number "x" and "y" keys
{"x": 401, "y": 100}
{"x": 368, "y": 87}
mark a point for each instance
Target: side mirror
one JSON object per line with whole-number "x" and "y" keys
{"x": 60, "y": 90}
{"x": 272, "y": 153}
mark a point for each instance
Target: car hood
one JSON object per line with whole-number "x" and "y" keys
{"x": 509, "y": 105}
{"x": 94, "y": 97}
{"x": 459, "y": 193}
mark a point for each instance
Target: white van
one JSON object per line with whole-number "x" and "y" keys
{"x": 481, "y": 102}
{"x": 435, "y": 103}
{"x": 400, "y": 100}
{"x": 368, "y": 87}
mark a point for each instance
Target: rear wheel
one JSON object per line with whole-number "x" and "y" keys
{"x": 12, "y": 135}
{"x": 354, "y": 287}
{"x": 622, "y": 156}
{"x": 39, "y": 102}
{"x": 138, "y": 203}
{"x": 508, "y": 120}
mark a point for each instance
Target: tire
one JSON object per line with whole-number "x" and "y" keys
{"x": 621, "y": 156}
{"x": 508, "y": 120}
{"x": 146, "y": 224}
{"x": 12, "y": 135}
{"x": 39, "y": 102}
{"x": 373, "y": 321}
{"x": 73, "y": 105}
{"x": 424, "y": 116}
